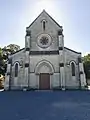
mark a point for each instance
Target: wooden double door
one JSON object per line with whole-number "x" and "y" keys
{"x": 44, "y": 81}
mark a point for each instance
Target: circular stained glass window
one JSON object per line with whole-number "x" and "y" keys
{"x": 44, "y": 40}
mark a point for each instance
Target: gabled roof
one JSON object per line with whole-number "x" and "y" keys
{"x": 17, "y": 51}
{"x": 72, "y": 50}
{"x": 40, "y": 15}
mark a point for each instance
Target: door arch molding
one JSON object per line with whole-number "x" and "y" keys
{"x": 44, "y": 67}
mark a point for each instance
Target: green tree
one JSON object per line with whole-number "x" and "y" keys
{"x": 4, "y": 52}
{"x": 1, "y": 62}
{"x": 2, "y": 72}
{"x": 86, "y": 60}
{"x": 8, "y": 50}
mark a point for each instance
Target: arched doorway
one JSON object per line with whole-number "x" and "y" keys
{"x": 44, "y": 69}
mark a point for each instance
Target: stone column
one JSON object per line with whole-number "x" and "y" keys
{"x": 27, "y": 50}
{"x": 8, "y": 75}
{"x": 81, "y": 73}
{"x": 61, "y": 60}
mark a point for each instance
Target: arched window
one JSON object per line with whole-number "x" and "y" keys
{"x": 73, "y": 69}
{"x": 16, "y": 69}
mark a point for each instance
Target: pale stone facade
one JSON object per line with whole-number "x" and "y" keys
{"x": 44, "y": 55}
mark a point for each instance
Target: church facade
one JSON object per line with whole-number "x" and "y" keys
{"x": 44, "y": 63}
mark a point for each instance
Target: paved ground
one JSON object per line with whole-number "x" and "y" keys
{"x": 45, "y": 105}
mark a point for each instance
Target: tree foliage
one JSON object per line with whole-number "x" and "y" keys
{"x": 4, "y": 52}
{"x": 86, "y": 60}
{"x": 10, "y": 49}
{"x": 1, "y": 62}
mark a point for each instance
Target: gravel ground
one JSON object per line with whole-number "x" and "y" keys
{"x": 45, "y": 105}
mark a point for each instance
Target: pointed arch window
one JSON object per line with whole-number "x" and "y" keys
{"x": 43, "y": 25}
{"x": 16, "y": 70}
{"x": 73, "y": 68}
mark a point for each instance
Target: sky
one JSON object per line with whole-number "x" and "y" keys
{"x": 73, "y": 15}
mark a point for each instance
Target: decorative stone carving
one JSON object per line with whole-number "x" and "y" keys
{"x": 44, "y": 40}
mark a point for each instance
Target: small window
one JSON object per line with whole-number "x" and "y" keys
{"x": 43, "y": 25}
{"x": 16, "y": 69}
{"x": 73, "y": 69}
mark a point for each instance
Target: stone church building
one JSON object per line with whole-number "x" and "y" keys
{"x": 44, "y": 63}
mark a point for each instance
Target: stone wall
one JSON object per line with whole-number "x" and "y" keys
{"x": 51, "y": 29}
{"x": 70, "y": 56}
{"x": 18, "y": 58}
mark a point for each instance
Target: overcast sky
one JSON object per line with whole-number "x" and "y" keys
{"x": 73, "y": 15}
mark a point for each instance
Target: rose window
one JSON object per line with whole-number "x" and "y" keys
{"x": 44, "y": 40}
